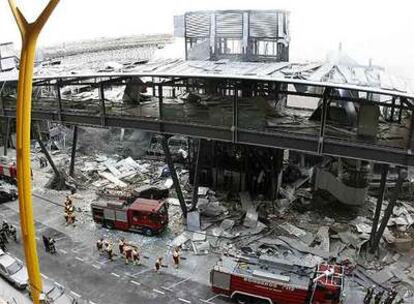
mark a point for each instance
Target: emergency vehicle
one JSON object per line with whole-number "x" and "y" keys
{"x": 8, "y": 171}
{"x": 267, "y": 280}
{"x": 143, "y": 215}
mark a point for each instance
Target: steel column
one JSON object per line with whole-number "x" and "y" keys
{"x": 174, "y": 176}
{"x": 73, "y": 154}
{"x": 384, "y": 173}
{"x": 6, "y": 135}
{"x": 411, "y": 135}
{"x": 194, "y": 200}
{"x": 102, "y": 100}
{"x": 59, "y": 99}
{"x": 160, "y": 99}
{"x": 323, "y": 119}
{"x": 402, "y": 174}
{"x": 49, "y": 158}
{"x": 234, "y": 127}
{"x": 2, "y": 97}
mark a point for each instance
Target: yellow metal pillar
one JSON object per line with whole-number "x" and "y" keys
{"x": 29, "y": 33}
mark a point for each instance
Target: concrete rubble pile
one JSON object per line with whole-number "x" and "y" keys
{"x": 307, "y": 236}
{"x": 300, "y": 227}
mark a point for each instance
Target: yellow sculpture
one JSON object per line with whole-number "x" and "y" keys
{"x": 29, "y": 33}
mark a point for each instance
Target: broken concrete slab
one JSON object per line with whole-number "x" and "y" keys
{"x": 201, "y": 248}
{"x": 109, "y": 176}
{"x": 382, "y": 276}
{"x": 227, "y": 224}
{"x": 181, "y": 239}
{"x": 322, "y": 239}
{"x": 300, "y": 246}
{"x": 292, "y": 229}
{"x": 199, "y": 236}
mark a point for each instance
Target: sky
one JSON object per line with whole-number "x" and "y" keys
{"x": 367, "y": 29}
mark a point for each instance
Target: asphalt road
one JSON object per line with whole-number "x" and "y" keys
{"x": 92, "y": 278}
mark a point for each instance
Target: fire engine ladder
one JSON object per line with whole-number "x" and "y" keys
{"x": 29, "y": 33}
{"x": 329, "y": 276}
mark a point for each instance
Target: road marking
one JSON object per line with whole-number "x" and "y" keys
{"x": 63, "y": 251}
{"x": 141, "y": 272}
{"x": 76, "y": 250}
{"x": 60, "y": 285}
{"x": 103, "y": 262}
{"x": 182, "y": 281}
{"x": 184, "y": 300}
{"x": 158, "y": 291}
{"x": 136, "y": 283}
{"x": 79, "y": 259}
{"x": 166, "y": 288}
{"x": 75, "y": 294}
{"x": 45, "y": 276}
{"x": 115, "y": 275}
{"x": 90, "y": 302}
{"x": 212, "y": 298}
{"x": 96, "y": 266}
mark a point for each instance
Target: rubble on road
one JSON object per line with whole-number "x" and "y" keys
{"x": 300, "y": 227}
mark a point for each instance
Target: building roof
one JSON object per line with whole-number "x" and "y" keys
{"x": 328, "y": 74}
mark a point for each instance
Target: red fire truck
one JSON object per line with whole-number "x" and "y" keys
{"x": 143, "y": 215}
{"x": 8, "y": 171}
{"x": 266, "y": 280}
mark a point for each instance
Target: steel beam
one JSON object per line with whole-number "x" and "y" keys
{"x": 277, "y": 139}
{"x": 381, "y": 192}
{"x": 73, "y": 154}
{"x": 174, "y": 176}
{"x": 402, "y": 174}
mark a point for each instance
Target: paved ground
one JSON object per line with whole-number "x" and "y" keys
{"x": 92, "y": 278}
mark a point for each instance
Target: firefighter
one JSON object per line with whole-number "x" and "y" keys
{"x": 109, "y": 251}
{"x": 13, "y": 233}
{"x": 69, "y": 211}
{"x": 378, "y": 297}
{"x": 127, "y": 252}
{"x": 68, "y": 201}
{"x": 392, "y": 294}
{"x": 135, "y": 256}
{"x": 121, "y": 246}
{"x": 99, "y": 245}
{"x": 176, "y": 257}
{"x": 3, "y": 235}
{"x": 5, "y": 226}
{"x": 52, "y": 248}
{"x": 369, "y": 294}
{"x": 2, "y": 244}
{"x": 45, "y": 242}
{"x": 158, "y": 263}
